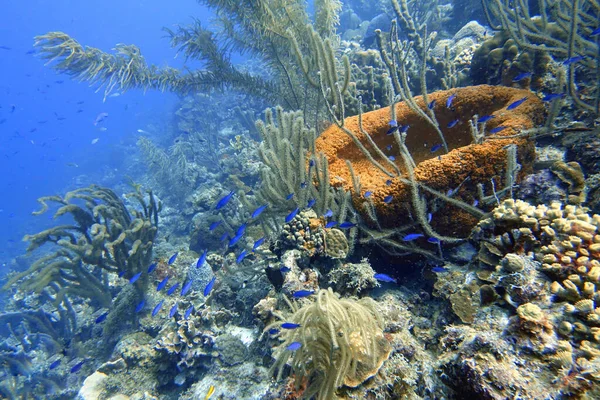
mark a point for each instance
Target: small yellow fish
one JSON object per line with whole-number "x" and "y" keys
{"x": 211, "y": 390}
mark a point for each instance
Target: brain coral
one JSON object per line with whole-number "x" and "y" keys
{"x": 465, "y": 165}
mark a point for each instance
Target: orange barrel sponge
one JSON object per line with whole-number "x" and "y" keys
{"x": 465, "y": 165}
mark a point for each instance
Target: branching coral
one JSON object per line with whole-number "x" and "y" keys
{"x": 342, "y": 343}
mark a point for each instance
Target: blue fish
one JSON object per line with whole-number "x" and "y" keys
{"x": 388, "y": 182}
{"x": 435, "y": 148}
{"x": 259, "y": 210}
{"x": 188, "y": 312}
{"x": 202, "y": 259}
{"x": 209, "y": 286}
{"x": 135, "y": 277}
{"x": 384, "y": 278}
{"x": 294, "y": 346}
{"x": 290, "y": 325}
{"x": 214, "y": 225}
{"x": 331, "y": 224}
{"x": 140, "y": 306}
{"x": 553, "y": 96}
{"x": 186, "y": 288}
{"x": 404, "y": 128}
{"x": 438, "y": 270}
{"x": 311, "y": 203}
{"x": 172, "y": 289}
{"x": 234, "y": 240}
{"x": 258, "y": 243}
{"x": 433, "y": 240}
{"x": 412, "y": 236}
{"x": 346, "y": 225}
{"x": 429, "y": 217}
{"x": 223, "y": 202}
{"x": 388, "y": 199}
{"x": 498, "y": 129}
{"x": 516, "y": 104}
{"x": 368, "y": 193}
{"x": 303, "y": 293}
{"x": 172, "y": 259}
{"x": 449, "y": 101}
{"x": 328, "y": 214}
{"x": 573, "y": 60}
{"x": 289, "y": 196}
{"x": 173, "y": 311}
{"x": 77, "y": 367}
{"x": 450, "y": 192}
{"x": 311, "y": 163}
{"x": 393, "y": 123}
{"x": 475, "y": 203}
{"x": 392, "y": 130}
{"x": 431, "y": 104}
{"x": 522, "y": 76}
{"x": 240, "y": 231}
{"x": 392, "y": 158}
{"x": 151, "y": 268}
{"x": 284, "y": 269}
{"x": 240, "y": 258}
{"x": 388, "y": 147}
{"x": 55, "y": 364}
{"x": 121, "y": 273}
{"x": 291, "y": 215}
{"x": 102, "y": 318}
{"x": 157, "y": 308}
{"x": 485, "y": 118}
{"x": 452, "y": 124}
{"x": 162, "y": 284}
{"x": 224, "y": 237}
{"x": 302, "y": 185}
{"x": 273, "y": 331}
{"x": 595, "y": 32}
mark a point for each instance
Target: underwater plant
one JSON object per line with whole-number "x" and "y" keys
{"x": 331, "y": 342}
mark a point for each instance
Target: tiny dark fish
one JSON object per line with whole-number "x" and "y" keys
{"x": 241, "y": 257}
{"x": 452, "y": 124}
{"x": 388, "y": 182}
{"x": 573, "y": 60}
{"x": 311, "y": 203}
{"x": 516, "y": 104}
{"x": 392, "y": 130}
{"x": 186, "y": 288}
{"x": 79, "y": 111}
{"x": 259, "y": 210}
{"x": 80, "y": 102}
{"x": 209, "y": 286}
{"x": 433, "y": 240}
{"x": 553, "y": 96}
{"x": 521, "y": 76}
{"x": 214, "y": 225}
{"x": 291, "y": 215}
{"x": 32, "y": 130}
{"x": 12, "y": 108}
{"x": 328, "y": 214}
{"x": 140, "y": 306}
{"x": 157, "y": 308}
{"x": 55, "y": 364}
{"x": 303, "y": 293}
{"x": 135, "y": 277}
{"x": 223, "y": 202}
{"x": 234, "y": 240}
{"x": 42, "y": 122}
{"x": 284, "y": 269}
{"x": 388, "y": 199}
{"x": 102, "y": 318}
{"x": 294, "y": 346}
{"x": 29, "y": 52}
{"x": 172, "y": 259}
{"x": 347, "y": 225}
{"x": 172, "y": 289}
{"x": 412, "y": 236}
{"x": 188, "y": 312}
{"x": 384, "y": 278}
{"x": 202, "y": 259}
{"x": 77, "y": 367}
{"x": 289, "y": 196}
{"x": 331, "y": 224}
{"x": 258, "y": 243}
{"x": 498, "y": 129}
{"x": 290, "y": 325}
{"x": 173, "y": 310}
{"x": 151, "y": 268}
{"x": 450, "y": 100}
{"x": 438, "y": 270}
{"x": 5, "y": 48}
{"x": 431, "y": 104}
{"x": 59, "y": 82}
{"x": 162, "y": 284}
{"x": 368, "y": 193}
{"x": 435, "y": 148}
{"x": 485, "y": 118}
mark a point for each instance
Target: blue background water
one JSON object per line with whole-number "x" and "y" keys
{"x": 35, "y": 163}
